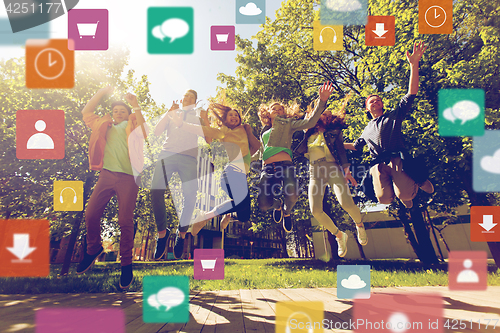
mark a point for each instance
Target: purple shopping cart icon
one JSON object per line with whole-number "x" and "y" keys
{"x": 88, "y": 29}
{"x": 222, "y": 38}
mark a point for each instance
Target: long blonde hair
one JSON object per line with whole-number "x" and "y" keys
{"x": 291, "y": 111}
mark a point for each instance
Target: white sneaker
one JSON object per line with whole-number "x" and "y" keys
{"x": 362, "y": 237}
{"x": 342, "y": 242}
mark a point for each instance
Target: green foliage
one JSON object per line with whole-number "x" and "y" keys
{"x": 27, "y": 185}
{"x": 281, "y": 64}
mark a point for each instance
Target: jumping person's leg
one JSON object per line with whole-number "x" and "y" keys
{"x": 265, "y": 198}
{"x": 316, "y": 192}
{"x": 290, "y": 194}
{"x": 290, "y": 188}
{"x": 161, "y": 176}
{"x": 126, "y": 193}
{"x": 187, "y": 169}
{"x": 103, "y": 191}
{"x": 339, "y": 184}
{"x": 405, "y": 188}
{"x": 382, "y": 183}
{"x": 234, "y": 183}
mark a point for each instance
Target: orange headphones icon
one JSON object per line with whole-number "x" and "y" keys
{"x": 334, "y": 35}
{"x": 61, "y": 197}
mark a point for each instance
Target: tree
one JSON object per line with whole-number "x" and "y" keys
{"x": 27, "y": 185}
{"x": 283, "y": 65}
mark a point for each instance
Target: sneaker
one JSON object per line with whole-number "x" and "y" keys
{"x": 127, "y": 276}
{"x": 178, "y": 245}
{"x": 161, "y": 246}
{"x": 278, "y": 213}
{"x": 408, "y": 204}
{"x": 362, "y": 237}
{"x": 427, "y": 186}
{"x": 87, "y": 261}
{"x": 287, "y": 223}
{"x": 342, "y": 242}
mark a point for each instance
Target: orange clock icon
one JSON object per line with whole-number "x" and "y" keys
{"x": 49, "y": 64}
{"x": 435, "y": 16}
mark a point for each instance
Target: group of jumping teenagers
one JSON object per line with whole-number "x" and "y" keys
{"x": 116, "y": 149}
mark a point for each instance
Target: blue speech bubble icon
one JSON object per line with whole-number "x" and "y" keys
{"x": 28, "y": 14}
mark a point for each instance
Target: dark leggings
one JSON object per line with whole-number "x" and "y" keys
{"x": 234, "y": 183}
{"x": 276, "y": 179}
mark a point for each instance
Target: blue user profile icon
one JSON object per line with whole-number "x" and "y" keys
{"x": 353, "y": 281}
{"x": 486, "y": 162}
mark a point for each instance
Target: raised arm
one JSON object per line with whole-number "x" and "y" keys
{"x": 163, "y": 123}
{"x": 92, "y": 103}
{"x": 324, "y": 93}
{"x": 208, "y": 132}
{"x": 418, "y": 50}
{"x": 132, "y": 100}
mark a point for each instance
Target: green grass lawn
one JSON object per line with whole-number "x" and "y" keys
{"x": 239, "y": 274}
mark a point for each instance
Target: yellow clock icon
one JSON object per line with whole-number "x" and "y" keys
{"x": 50, "y": 63}
{"x": 435, "y": 16}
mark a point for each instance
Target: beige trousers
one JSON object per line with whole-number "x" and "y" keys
{"x": 390, "y": 180}
{"x": 329, "y": 173}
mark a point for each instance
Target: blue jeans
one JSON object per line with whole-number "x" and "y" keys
{"x": 276, "y": 179}
{"x": 186, "y": 167}
{"x": 234, "y": 183}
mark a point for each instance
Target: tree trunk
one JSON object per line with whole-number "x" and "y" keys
{"x": 283, "y": 243}
{"x": 427, "y": 251}
{"x": 75, "y": 230}
{"x": 146, "y": 249}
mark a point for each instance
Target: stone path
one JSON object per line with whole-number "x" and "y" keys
{"x": 238, "y": 311}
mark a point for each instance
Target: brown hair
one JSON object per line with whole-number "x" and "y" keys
{"x": 291, "y": 111}
{"x": 221, "y": 111}
{"x": 337, "y": 119}
{"x": 122, "y": 104}
{"x": 194, "y": 93}
{"x": 368, "y": 114}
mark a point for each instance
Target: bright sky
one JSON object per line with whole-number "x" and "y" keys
{"x": 169, "y": 75}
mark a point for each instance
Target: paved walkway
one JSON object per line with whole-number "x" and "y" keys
{"x": 238, "y": 311}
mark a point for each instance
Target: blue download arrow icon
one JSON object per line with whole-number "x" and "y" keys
{"x": 25, "y": 15}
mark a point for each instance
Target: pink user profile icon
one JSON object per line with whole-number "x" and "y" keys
{"x": 88, "y": 29}
{"x": 208, "y": 264}
{"x": 467, "y": 270}
{"x": 393, "y": 313}
{"x": 80, "y": 320}
{"x": 222, "y": 38}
